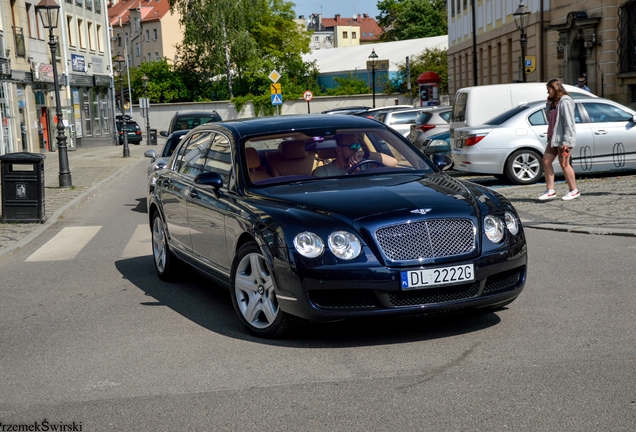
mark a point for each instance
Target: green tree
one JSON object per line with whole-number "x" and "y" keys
{"x": 412, "y": 19}
{"x": 240, "y": 40}
{"x": 164, "y": 85}
{"x": 434, "y": 60}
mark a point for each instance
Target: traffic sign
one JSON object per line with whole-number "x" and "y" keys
{"x": 274, "y": 76}
{"x": 530, "y": 63}
{"x": 277, "y": 99}
{"x": 308, "y": 95}
{"x": 126, "y": 105}
{"x": 275, "y": 88}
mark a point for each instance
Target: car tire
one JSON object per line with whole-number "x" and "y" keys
{"x": 163, "y": 258}
{"x": 524, "y": 167}
{"x": 252, "y": 288}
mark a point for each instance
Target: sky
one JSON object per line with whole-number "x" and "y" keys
{"x": 329, "y": 8}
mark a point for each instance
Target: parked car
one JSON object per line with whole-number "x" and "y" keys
{"x": 401, "y": 120}
{"x": 393, "y": 237}
{"x": 133, "y": 131}
{"x": 431, "y": 122}
{"x": 437, "y": 144}
{"x": 346, "y": 110}
{"x": 161, "y": 160}
{"x": 511, "y": 145}
{"x": 373, "y": 113}
{"x": 190, "y": 120}
{"x": 476, "y": 105}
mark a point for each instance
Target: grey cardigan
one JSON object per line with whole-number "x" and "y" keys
{"x": 564, "y": 128}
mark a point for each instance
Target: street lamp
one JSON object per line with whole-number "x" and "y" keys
{"x": 520, "y": 17}
{"x": 373, "y": 61}
{"x": 144, "y": 82}
{"x": 120, "y": 62}
{"x": 306, "y": 75}
{"x": 49, "y": 12}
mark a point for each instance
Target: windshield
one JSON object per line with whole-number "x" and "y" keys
{"x": 311, "y": 156}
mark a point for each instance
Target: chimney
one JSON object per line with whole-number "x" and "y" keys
{"x": 337, "y": 17}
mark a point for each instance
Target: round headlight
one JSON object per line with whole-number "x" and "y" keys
{"x": 309, "y": 244}
{"x": 512, "y": 223}
{"x": 494, "y": 228}
{"x": 344, "y": 245}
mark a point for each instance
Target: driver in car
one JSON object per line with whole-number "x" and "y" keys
{"x": 348, "y": 153}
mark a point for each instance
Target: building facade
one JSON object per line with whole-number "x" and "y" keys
{"x": 27, "y": 97}
{"x": 565, "y": 40}
{"x": 339, "y": 32}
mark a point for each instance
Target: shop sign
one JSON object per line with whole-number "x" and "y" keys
{"x": 101, "y": 80}
{"x": 78, "y": 63}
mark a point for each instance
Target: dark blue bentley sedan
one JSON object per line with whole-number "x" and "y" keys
{"x": 322, "y": 217}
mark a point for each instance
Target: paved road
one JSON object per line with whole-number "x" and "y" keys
{"x": 90, "y": 334}
{"x": 607, "y": 204}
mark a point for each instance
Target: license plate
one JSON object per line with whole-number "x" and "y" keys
{"x": 439, "y": 276}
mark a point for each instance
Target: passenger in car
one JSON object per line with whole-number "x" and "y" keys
{"x": 348, "y": 153}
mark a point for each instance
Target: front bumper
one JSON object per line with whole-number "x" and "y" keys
{"x": 366, "y": 292}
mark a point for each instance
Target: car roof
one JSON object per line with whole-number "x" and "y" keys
{"x": 322, "y": 123}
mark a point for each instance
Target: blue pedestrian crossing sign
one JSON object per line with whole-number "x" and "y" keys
{"x": 277, "y": 99}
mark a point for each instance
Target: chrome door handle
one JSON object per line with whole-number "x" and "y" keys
{"x": 600, "y": 132}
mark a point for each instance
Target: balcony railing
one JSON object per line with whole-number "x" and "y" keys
{"x": 18, "y": 36}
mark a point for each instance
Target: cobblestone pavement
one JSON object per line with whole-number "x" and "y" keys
{"x": 607, "y": 205}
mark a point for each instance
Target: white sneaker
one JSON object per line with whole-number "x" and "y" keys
{"x": 571, "y": 195}
{"x": 548, "y": 194}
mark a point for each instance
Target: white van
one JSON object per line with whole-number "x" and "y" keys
{"x": 477, "y": 105}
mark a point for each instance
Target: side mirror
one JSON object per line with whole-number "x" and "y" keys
{"x": 150, "y": 154}
{"x": 441, "y": 161}
{"x": 209, "y": 179}
{"x": 163, "y": 133}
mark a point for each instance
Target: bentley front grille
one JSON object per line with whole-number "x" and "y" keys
{"x": 434, "y": 238}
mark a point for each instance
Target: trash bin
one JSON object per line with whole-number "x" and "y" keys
{"x": 22, "y": 181}
{"x": 153, "y": 136}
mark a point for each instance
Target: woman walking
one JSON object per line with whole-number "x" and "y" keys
{"x": 561, "y": 138}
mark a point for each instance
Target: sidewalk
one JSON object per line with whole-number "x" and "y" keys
{"x": 91, "y": 167}
{"x": 607, "y": 204}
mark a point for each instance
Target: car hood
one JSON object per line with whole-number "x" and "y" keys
{"x": 382, "y": 198}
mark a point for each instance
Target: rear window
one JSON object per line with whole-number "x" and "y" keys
{"x": 502, "y": 118}
{"x": 459, "y": 110}
{"x": 403, "y": 117}
{"x": 423, "y": 118}
{"x": 190, "y": 122}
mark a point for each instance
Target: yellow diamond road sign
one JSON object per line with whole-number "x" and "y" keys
{"x": 274, "y": 76}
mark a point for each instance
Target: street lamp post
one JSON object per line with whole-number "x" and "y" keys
{"x": 306, "y": 74}
{"x": 144, "y": 82}
{"x": 120, "y": 61}
{"x": 520, "y": 17}
{"x": 49, "y": 12}
{"x": 373, "y": 61}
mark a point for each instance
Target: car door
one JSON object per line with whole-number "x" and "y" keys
{"x": 175, "y": 186}
{"x": 207, "y": 207}
{"x": 583, "y": 152}
{"x": 614, "y": 135}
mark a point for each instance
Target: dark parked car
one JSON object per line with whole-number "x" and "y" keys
{"x": 133, "y": 131}
{"x": 159, "y": 161}
{"x": 392, "y": 237}
{"x": 437, "y": 144}
{"x": 190, "y": 120}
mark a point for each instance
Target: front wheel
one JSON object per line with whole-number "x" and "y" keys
{"x": 253, "y": 295}
{"x": 524, "y": 167}
{"x": 164, "y": 260}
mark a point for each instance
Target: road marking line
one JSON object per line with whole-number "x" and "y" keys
{"x": 66, "y": 244}
{"x": 140, "y": 244}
